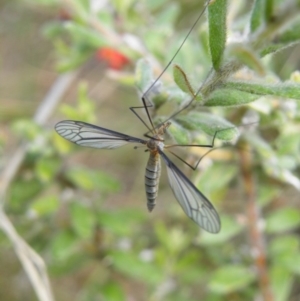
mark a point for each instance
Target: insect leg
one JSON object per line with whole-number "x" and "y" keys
{"x": 145, "y": 107}
{"x": 194, "y": 145}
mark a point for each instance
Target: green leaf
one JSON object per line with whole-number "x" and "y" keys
{"x": 25, "y": 128}
{"x": 291, "y": 35}
{"x": 121, "y": 222}
{"x": 269, "y": 10}
{"x": 69, "y": 263}
{"x": 71, "y": 61}
{"x": 85, "y": 108}
{"x": 287, "y": 38}
{"x": 45, "y": 205}
{"x": 284, "y": 244}
{"x": 248, "y": 57}
{"x": 281, "y": 220}
{"x": 228, "y": 279}
{"x": 82, "y": 9}
{"x": 174, "y": 95}
{"x": 257, "y": 16}
{"x": 174, "y": 240}
{"x": 182, "y": 81}
{"x": 288, "y": 143}
{"x": 62, "y": 145}
{"x": 46, "y": 168}
{"x": 186, "y": 267}
{"x": 210, "y": 124}
{"x": 166, "y": 17}
{"x": 270, "y": 161}
{"x": 178, "y": 133}
{"x": 229, "y": 97}
{"x": 64, "y": 244}
{"x": 130, "y": 265}
{"x": 146, "y": 84}
{"x": 84, "y": 35}
{"x": 112, "y": 292}
{"x": 284, "y": 251}
{"x": 265, "y": 194}
{"x": 87, "y": 179}
{"x": 86, "y": 105}
{"x": 281, "y": 283}
{"x": 82, "y": 219}
{"x": 123, "y": 6}
{"x": 217, "y": 31}
{"x": 143, "y": 75}
{"x": 221, "y": 174}
{"x": 272, "y": 48}
{"x": 294, "y": 264}
{"x": 24, "y": 189}
{"x": 288, "y": 90}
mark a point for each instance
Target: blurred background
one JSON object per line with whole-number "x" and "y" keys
{"x": 83, "y": 211}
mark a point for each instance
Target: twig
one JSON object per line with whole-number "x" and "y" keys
{"x": 32, "y": 263}
{"x": 256, "y": 237}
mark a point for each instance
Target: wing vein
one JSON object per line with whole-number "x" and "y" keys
{"x": 192, "y": 201}
{"x": 90, "y": 135}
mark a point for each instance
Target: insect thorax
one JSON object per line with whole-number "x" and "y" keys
{"x": 157, "y": 141}
{"x": 154, "y": 143}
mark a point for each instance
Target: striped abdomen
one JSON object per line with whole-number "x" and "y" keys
{"x": 152, "y": 179}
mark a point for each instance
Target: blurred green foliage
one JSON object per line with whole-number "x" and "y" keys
{"x": 64, "y": 207}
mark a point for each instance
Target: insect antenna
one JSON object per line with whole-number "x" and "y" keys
{"x": 147, "y": 103}
{"x": 177, "y": 51}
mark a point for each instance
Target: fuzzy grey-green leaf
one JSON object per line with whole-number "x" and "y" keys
{"x": 143, "y": 75}
{"x": 210, "y": 124}
{"x": 288, "y": 89}
{"x": 292, "y": 34}
{"x": 257, "y": 15}
{"x": 85, "y": 36}
{"x": 179, "y": 133}
{"x": 217, "y": 31}
{"x": 182, "y": 81}
{"x": 230, "y": 278}
{"x": 229, "y": 97}
{"x": 248, "y": 57}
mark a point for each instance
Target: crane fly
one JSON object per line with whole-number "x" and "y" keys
{"x": 193, "y": 202}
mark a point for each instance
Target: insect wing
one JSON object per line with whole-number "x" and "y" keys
{"x": 192, "y": 201}
{"x": 90, "y": 135}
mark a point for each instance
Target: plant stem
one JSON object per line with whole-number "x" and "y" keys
{"x": 256, "y": 237}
